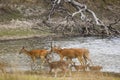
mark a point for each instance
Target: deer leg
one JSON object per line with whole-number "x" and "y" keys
{"x": 32, "y": 66}
{"x": 33, "y": 63}
{"x": 84, "y": 69}
{"x": 91, "y": 61}
{"x": 81, "y": 60}
{"x": 69, "y": 73}
{"x": 43, "y": 61}
{"x": 84, "y": 61}
{"x": 61, "y": 57}
{"x": 55, "y": 73}
{"x": 86, "y": 58}
{"x": 50, "y": 70}
{"x": 64, "y": 71}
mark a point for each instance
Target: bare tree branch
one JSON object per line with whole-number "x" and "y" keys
{"x": 81, "y": 9}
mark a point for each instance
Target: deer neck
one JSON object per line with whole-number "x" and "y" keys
{"x": 58, "y": 51}
{"x": 26, "y": 52}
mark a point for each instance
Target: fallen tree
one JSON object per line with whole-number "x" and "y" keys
{"x": 87, "y": 24}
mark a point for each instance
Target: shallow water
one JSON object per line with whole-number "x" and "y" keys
{"x": 104, "y": 52}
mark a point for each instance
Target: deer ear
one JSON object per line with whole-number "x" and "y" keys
{"x": 23, "y": 47}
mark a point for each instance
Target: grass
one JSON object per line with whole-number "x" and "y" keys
{"x": 75, "y": 76}
{"x": 21, "y": 32}
{"x": 44, "y": 75}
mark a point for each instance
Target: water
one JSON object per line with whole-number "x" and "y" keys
{"x": 104, "y": 52}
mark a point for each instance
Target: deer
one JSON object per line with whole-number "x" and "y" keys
{"x": 79, "y": 67}
{"x": 81, "y": 53}
{"x": 33, "y": 54}
{"x": 58, "y": 65}
{"x": 95, "y": 68}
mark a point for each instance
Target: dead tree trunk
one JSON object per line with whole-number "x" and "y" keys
{"x": 82, "y": 9}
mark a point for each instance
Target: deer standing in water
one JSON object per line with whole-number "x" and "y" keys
{"x": 41, "y": 53}
{"x": 58, "y": 65}
{"x": 81, "y": 53}
{"x": 79, "y": 67}
{"x": 95, "y": 68}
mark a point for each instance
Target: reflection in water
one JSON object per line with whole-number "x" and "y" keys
{"x": 104, "y": 52}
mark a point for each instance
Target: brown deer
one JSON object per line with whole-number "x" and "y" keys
{"x": 79, "y": 67}
{"x": 81, "y": 53}
{"x": 41, "y": 53}
{"x": 58, "y": 65}
{"x": 95, "y": 68}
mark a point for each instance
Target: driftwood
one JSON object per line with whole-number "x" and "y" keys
{"x": 87, "y": 24}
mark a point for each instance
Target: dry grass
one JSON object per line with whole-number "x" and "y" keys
{"x": 46, "y": 76}
{"x": 21, "y": 33}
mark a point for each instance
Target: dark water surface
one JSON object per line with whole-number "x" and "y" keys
{"x": 104, "y": 52}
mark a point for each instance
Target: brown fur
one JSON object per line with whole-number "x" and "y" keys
{"x": 62, "y": 65}
{"x": 35, "y": 53}
{"x": 95, "y": 68}
{"x": 81, "y": 53}
{"x": 79, "y": 67}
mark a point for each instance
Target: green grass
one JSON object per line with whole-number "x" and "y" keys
{"x": 21, "y": 32}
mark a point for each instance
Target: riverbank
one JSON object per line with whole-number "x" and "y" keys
{"x": 22, "y": 33}
{"x": 24, "y": 20}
